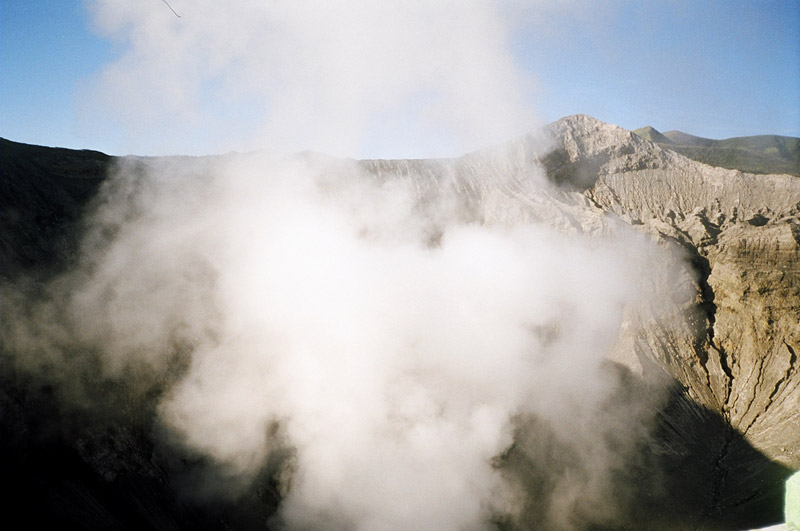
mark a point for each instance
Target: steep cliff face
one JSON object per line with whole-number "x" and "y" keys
{"x": 742, "y": 233}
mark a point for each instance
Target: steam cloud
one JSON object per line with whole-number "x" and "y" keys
{"x": 354, "y": 77}
{"x": 389, "y": 341}
{"x": 388, "y": 337}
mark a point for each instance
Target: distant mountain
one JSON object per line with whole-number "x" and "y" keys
{"x": 685, "y": 139}
{"x": 652, "y": 134}
{"x": 753, "y": 154}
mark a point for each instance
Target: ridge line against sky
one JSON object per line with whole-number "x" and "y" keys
{"x": 712, "y": 69}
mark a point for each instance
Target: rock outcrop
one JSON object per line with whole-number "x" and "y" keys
{"x": 742, "y": 233}
{"x": 735, "y": 354}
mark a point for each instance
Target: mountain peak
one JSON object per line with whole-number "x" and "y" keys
{"x": 588, "y": 133}
{"x": 652, "y": 134}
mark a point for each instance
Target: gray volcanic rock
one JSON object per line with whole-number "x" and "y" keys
{"x": 743, "y": 232}
{"x": 732, "y": 351}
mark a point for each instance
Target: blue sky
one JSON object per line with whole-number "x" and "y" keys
{"x": 711, "y": 68}
{"x": 46, "y": 50}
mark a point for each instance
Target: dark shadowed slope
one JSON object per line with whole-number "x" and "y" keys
{"x": 44, "y": 191}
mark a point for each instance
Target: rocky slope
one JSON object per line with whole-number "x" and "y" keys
{"x": 726, "y": 433}
{"x": 742, "y": 232}
{"x": 732, "y": 353}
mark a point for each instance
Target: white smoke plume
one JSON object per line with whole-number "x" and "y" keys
{"x": 386, "y": 335}
{"x": 314, "y": 311}
{"x": 345, "y": 78}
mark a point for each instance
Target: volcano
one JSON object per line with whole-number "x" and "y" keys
{"x": 694, "y": 424}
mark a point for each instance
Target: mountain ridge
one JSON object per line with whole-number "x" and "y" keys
{"x": 755, "y": 154}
